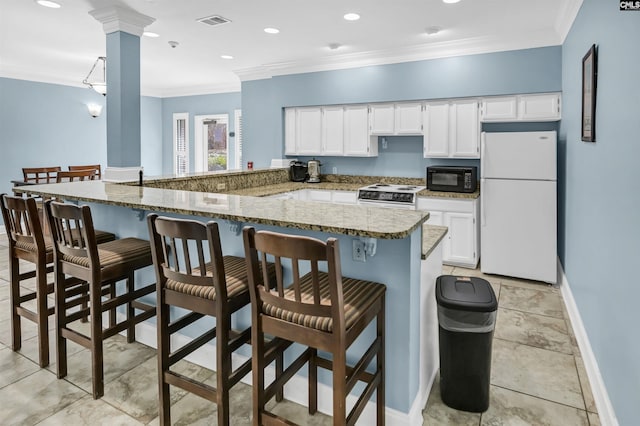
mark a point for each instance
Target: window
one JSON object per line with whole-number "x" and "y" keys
{"x": 180, "y": 143}
{"x": 211, "y": 142}
{"x": 238, "y": 139}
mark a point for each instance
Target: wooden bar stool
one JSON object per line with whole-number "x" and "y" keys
{"x": 193, "y": 274}
{"x": 321, "y": 310}
{"x": 75, "y": 175}
{"x": 28, "y": 242}
{"x": 101, "y": 266}
{"x": 97, "y": 170}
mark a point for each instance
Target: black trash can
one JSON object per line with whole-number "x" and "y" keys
{"x": 467, "y": 309}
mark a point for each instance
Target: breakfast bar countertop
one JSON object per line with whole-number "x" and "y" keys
{"x": 342, "y": 219}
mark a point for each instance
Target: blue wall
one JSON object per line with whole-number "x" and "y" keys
{"x": 223, "y": 103}
{"x": 521, "y": 71}
{"x": 599, "y": 238}
{"x": 45, "y": 124}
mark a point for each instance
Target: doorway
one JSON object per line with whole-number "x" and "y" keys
{"x": 211, "y": 142}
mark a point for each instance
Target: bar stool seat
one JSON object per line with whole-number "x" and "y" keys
{"x": 118, "y": 254}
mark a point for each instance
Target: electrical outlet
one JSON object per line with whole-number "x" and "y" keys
{"x": 221, "y": 186}
{"x": 335, "y": 170}
{"x": 358, "y": 251}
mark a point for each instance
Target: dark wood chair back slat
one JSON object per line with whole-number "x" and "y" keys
{"x": 72, "y": 230}
{"x": 22, "y": 221}
{"x": 75, "y": 175}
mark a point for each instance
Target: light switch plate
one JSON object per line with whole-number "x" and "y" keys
{"x": 358, "y": 251}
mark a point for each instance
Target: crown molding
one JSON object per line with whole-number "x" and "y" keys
{"x": 470, "y": 46}
{"x": 205, "y": 89}
{"x": 565, "y": 18}
{"x": 117, "y": 18}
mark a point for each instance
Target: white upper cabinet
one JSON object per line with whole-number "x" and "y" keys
{"x": 332, "y": 130}
{"x": 408, "y": 118}
{"x": 382, "y": 119}
{"x": 309, "y": 131}
{"x": 290, "y": 131}
{"x": 499, "y": 109}
{"x": 535, "y": 107}
{"x": 545, "y": 107}
{"x": 466, "y": 129}
{"x": 436, "y": 129}
{"x": 396, "y": 119}
{"x": 357, "y": 142}
{"x": 451, "y": 129}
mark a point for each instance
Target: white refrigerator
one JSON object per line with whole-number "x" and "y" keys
{"x": 518, "y": 233}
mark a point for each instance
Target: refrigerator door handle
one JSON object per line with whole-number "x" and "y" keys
{"x": 483, "y": 188}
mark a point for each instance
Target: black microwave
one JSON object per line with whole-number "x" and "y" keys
{"x": 452, "y": 178}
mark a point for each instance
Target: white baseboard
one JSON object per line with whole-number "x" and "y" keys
{"x": 296, "y": 389}
{"x": 598, "y": 388}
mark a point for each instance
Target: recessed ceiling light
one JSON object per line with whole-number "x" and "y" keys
{"x": 334, "y": 46}
{"x": 48, "y": 3}
{"x": 351, "y": 16}
{"x": 271, "y": 30}
{"x": 432, "y": 30}
{"x": 226, "y": 56}
{"x": 150, "y": 34}
{"x": 450, "y": 1}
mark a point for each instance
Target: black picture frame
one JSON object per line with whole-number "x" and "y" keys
{"x": 589, "y": 80}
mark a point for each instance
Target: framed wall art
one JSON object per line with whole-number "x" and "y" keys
{"x": 589, "y": 79}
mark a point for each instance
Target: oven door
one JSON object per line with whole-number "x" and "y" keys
{"x": 387, "y": 204}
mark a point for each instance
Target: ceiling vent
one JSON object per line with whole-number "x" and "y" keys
{"x": 214, "y": 20}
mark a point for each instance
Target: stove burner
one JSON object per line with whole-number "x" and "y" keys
{"x": 407, "y": 188}
{"x": 381, "y": 184}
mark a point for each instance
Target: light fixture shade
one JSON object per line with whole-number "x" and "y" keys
{"x": 95, "y": 110}
{"x": 97, "y": 84}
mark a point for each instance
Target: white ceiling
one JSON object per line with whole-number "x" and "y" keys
{"x": 60, "y": 45}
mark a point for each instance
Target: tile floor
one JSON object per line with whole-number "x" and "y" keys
{"x": 537, "y": 377}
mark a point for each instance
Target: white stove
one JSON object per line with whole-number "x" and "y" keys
{"x": 388, "y": 195}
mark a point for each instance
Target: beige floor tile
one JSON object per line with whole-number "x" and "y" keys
{"x": 447, "y": 269}
{"x": 533, "y": 330}
{"x": 589, "y": 402}
{"x": 536, "y": 372}
{"x": 436, "y": 413}
{"x": 540, "y": 302}
{"x": 534, "y": 285}
{"x": 298, "y": 414}
{"x": 36, "y": 397}
{"x": 4, "y": 290}
{"x": 14, "y": 367}
{"x": 119, "y": 357}
{"x": 136, "y": 392}
{"x": 30, "y": 349}
{"x": 87, "y": 411}
{"x": 594, "y": 419}
{"x": 508, "y": 408}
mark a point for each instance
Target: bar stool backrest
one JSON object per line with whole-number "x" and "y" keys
{"x": 97, "y": 170}
{"x": 22, "y": 223}
{"x": 75, "y": 175}
{"x": 40, "y": 174}
{"x": 299, "y": 250}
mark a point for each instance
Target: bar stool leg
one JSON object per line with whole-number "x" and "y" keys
{"x": 131, "y": 330}
{"x": 97, "y": 370}
{"x": 42, "y": 313}
{"x": 257, "y": 366}
{"x": 380, "y": 361}
{"x": 61, "y": 323}
{"x": 223, "y": 361}
{"x": 16, "y": 326}
{"x": 162, "y": 312}
{"x": 313, "y": 382}
{"x": 339, "y": 387}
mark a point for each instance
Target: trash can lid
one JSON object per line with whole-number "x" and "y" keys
{"x": 465, "y": 293}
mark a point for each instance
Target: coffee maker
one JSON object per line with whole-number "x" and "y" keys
{"x": 313, "y": 169}
{"x": 297, "y": 171}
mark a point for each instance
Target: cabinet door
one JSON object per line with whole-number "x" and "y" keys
{"x": 318, "y": 195}
{"x": 309, "y": 131}
{"x": 460, "y": 242}
{"x": 465, "y": 136}
{"x": 408, "y": 119}
{"x": 357, "y": 142}
{"x": 332, "y": 130}
{"x": 382, "y": 119}
{"x": 344, "y": 197}
{"x": 499, "y": 109}
{"x": 290, "y": 131}
{"x": 436, "y": 130}
{"x": 544, "y": 107}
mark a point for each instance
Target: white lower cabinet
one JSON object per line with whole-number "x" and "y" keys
{"x": 461, "y": 246}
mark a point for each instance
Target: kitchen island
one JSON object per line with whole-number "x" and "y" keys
{"x": 395, "y": 244}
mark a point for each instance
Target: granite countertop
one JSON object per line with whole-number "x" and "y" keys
{"x": 266, "y": 190}
{"x": 431, "y": 236}
{"x": 324, "y": 217}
